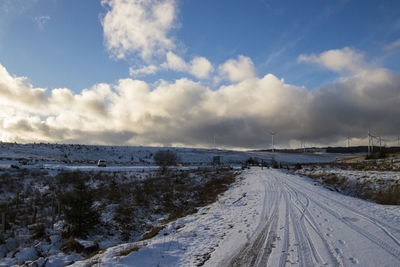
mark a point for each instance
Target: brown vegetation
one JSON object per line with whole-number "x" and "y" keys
{"x": 382, "y": 191}
{"x": 130, "y": 200}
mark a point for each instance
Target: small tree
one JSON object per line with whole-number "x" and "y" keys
{"x": 275, "y": 164}
{"x": 165, "y": 158}
{"x": 252, "y": 161}
{"x": 78, "y": 210}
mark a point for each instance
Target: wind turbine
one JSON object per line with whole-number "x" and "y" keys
{"x": 371, "y": 138}
{"x": 272, "y": 136}
{"x": 303, "y": 145}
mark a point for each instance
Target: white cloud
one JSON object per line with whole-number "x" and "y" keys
{"x": 41, "y": 21}
{"x": 393, "y": 45}
{"x": 237, "y": 70}
{"x": 16, "y": 6}
{"x": 190, "y": 113}
{"x": 175, "y": 62}
{"x": 146, "y": 70}
{"x": 139, "y": 27}
{"x": 199, "y": 67}
{"x": 337, "y": 60}
{"x": 21, "y": 94}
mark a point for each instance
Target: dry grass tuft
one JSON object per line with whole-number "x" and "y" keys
{"x": 126, "y": 252}
{"x": 152, "y": 233}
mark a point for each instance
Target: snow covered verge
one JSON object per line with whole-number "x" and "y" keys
{"x": 203, "y": 238}
{"x": 377, "y": 179}
{"x": 44, "y": 208}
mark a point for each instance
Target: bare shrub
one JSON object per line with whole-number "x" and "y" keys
{"x": 274, "y": 164}
{"x": 130, "y": 250}
{"x": 124, "y": 216}
{"x": 385, "y": 196}
{"x": 378, "y": 190}
{"x": 38, "y": 231}
{"x": 153, "y": 232}
{"x": 71, "y": 245}
{"x": 297, "y": 166}
{"x": 217, "y": 184}
{"x": 165, "y": 159}
{"x": 333, "y": 179}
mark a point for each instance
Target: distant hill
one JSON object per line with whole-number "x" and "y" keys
{"x": 339, "y": 150}
{"x": 360, "y": 149}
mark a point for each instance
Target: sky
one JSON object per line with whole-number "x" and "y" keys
{"x": 187, "y": 72}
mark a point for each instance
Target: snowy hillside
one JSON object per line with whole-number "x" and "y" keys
{"x": 125, "y": 155}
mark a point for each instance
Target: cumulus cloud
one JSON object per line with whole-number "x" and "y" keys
{"x": 187, "y": 112}
{"x": 175, "y": 62}
{"x": 136, "y": 27}
{"x": 236, "y": 70}
{"x": 337, "y": 60}
{"x": 21, "y": 94}
{"x": 139, "y": 27}
{"x": 199, "y": 67}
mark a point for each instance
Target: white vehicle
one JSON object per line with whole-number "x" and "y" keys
{"x": 101, "y": 163}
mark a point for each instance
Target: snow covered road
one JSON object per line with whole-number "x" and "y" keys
{"x": 307, "y": 225}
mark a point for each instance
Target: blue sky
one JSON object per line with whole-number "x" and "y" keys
{"x": 68, "y": 51}
{"x": 312, "y": 70}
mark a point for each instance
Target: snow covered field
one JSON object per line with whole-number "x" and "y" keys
{"x": 266, "y": 217}
{"x": 276, "y": 219}
{"x": 53, "y": 155}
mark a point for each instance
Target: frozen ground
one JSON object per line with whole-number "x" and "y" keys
{"x": 275, "y": 219}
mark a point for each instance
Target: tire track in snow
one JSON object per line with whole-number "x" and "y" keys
{"x": 250, "y": 254}
{"x": 285, "y": 248}
{"x": 306, "y": 250}
{"x": 395, "y": 252}
{"x": 300, "y": 225}
{"x": 303, "y": 248}
{"x": 382, "y": 225}
{"x": 307, "y": 216}
{"x": 272, "y": 234}
{"x": 261, "y": 240}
